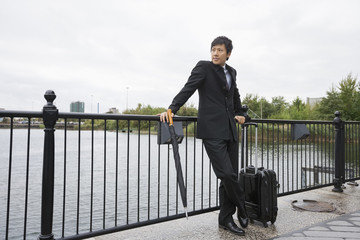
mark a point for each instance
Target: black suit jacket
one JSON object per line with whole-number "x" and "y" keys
{"x": 217, "y": 104}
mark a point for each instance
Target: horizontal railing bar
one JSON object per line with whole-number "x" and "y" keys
{"x": 284, "y": 121}
{"x": 305, "y": 189}
{"x": 30, "y": 114}
{"x": 121, "y": 116}
{"x": 39, "y": 114}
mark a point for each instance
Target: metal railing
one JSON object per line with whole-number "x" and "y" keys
{"x": 102, "y": 173}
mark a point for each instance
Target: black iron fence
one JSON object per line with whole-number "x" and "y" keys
{"x": 77, "y": 175}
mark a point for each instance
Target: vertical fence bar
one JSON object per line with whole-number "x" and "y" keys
{"x": 194, "y": 170}
{"x": 104, "y": 196}
{"x": 353, "y": 149}
{"x": 64, "y": 181}
{"x": 116, "y": 170}
{"x": 210, "y": 193}
{"x": 332, "y": 150}
{"x": 138, "y": 174}
{"x": 202, "y": 176}
{"x": 149, "y": 168}
{"x": 292, "y": 164}
{"x": 78, "y": 178}
{"x": 262, "y": 144}
{"x": 278, "y": 150}
{"x": 168, "y": 181}
{"x": 92, "y": 176}
{"x": 9, "y": 177}
{"x": 127, "y": 171}
{"x": 287, "y": 160}
{"x": 323, "y": 164}
{"x": 307, "y": 179}
{"x": 267, "y": 148}
{"x": 186, "y": 154}
{"x": 317, "y": 140}
{"x": 316, "y": 181}
{"x": 283, "y": 156}
{"x": 357, "y": 151}
{"x": 27, "y": 177}
{"x": 158, "y": 178}
{"x": 353, "y": 153}
{"x": 50, "y": 115}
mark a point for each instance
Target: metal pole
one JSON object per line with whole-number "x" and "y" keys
{"x": 127, "y": 98}
{"x": 50, "y": 116}
{"x": 339, "y": 153}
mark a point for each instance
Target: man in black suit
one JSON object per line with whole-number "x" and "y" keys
{"x": 219, "y": 107}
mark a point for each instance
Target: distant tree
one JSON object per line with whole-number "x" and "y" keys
{"x": 266, "y": 108}
{"x": 329, "y": 104}
{"x": 298, "y": 110}
{"x": 259, "y": 107}
{"x": 187, "y": 110}
{"x": 345, "y": 98}
{"x": 252, "y": 101}
{"x": 279, "y": 103}
{"x": 348, "y": 96}
{"x": 279, "y": 108}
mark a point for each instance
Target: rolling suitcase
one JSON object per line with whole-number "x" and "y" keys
{"x": 260, "y": 187}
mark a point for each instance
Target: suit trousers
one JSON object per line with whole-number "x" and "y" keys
{"x": 223, "y": 155}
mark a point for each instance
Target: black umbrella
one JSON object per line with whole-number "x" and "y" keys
{"x": 180, "y": 178}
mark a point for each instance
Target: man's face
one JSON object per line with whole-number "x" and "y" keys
{"x": 219, "y": 54}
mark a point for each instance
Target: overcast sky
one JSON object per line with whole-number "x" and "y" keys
{"x": 121, "y": 53}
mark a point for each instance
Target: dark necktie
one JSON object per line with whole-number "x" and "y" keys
{"x": 228, "y": 79}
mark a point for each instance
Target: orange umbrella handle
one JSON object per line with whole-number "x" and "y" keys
{"x": 169, "y": 113}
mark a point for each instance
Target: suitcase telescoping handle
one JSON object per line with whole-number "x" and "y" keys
{"x": 245, "y": 143}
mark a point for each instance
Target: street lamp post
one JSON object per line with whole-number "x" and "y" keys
{"x": 127, "y": 98}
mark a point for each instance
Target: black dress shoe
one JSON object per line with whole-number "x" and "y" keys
{"x": 243, "y": 217}
{"x": 232, "y": 227}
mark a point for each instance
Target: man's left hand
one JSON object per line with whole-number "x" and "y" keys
{"x": 240, "y": 119}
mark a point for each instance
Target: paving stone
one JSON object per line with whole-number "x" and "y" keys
{"x": 308, "y": 238}
{"x": 318, "y": 229}
{"x": 340, "y": 223}
{"x": 331, "y": 234}
{"x": 345, "y": 229}
{"x": 298, "y": 235}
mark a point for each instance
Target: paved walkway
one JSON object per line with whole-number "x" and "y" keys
{"x": 344, "y": 223}
{"x": 344, "y": 227}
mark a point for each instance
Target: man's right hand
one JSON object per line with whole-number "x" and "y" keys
{"x": 164, "y": 117}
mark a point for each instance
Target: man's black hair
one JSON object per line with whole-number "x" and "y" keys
{"x": 223, "y": 40}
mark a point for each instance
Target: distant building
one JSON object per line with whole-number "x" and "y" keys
{"x": 313, "y": 101}
{"x": 113, "y": 110}
{"x": 77, "y": 107}
{"x": 1, "y": 119}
